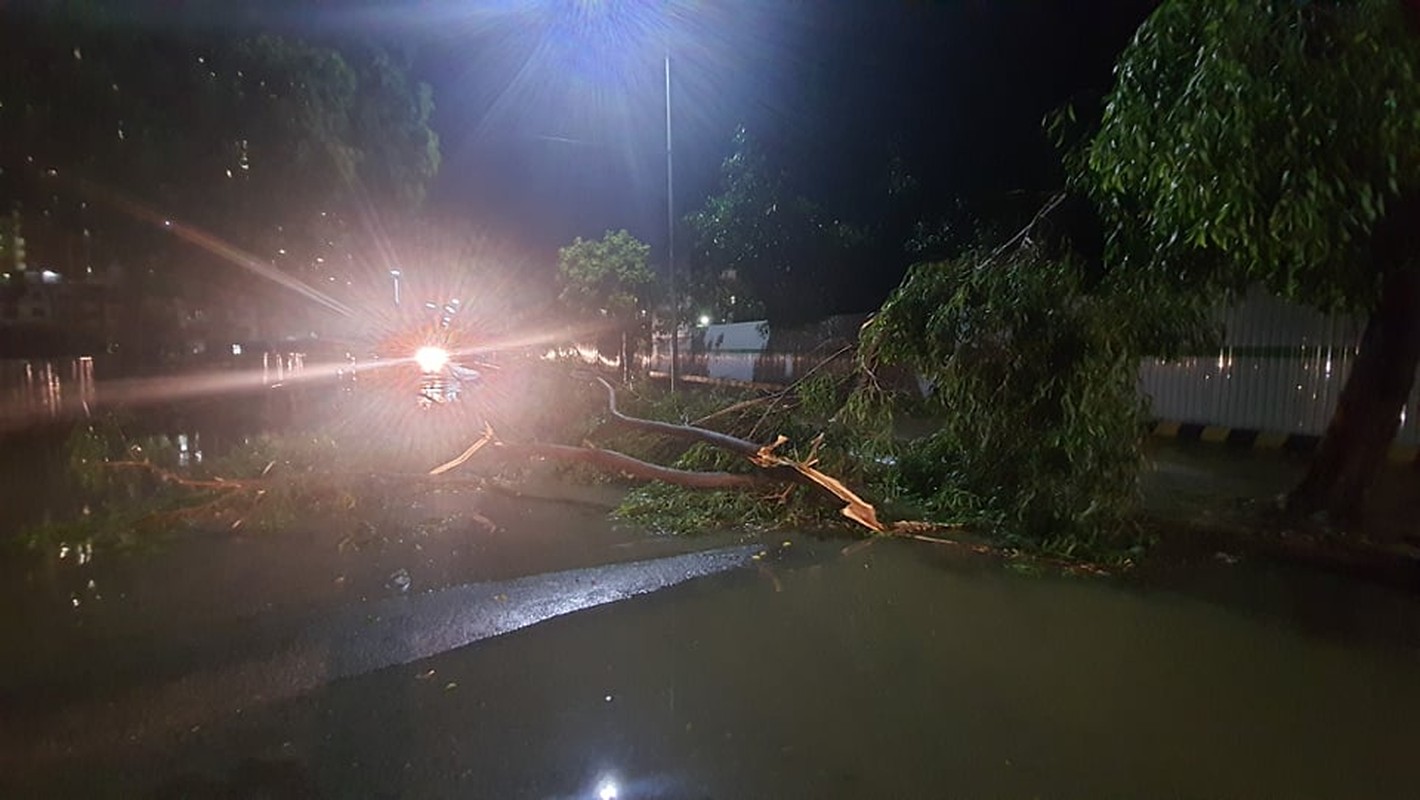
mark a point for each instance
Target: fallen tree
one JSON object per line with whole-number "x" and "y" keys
{"x": 775, "y": 468}
{"x": 135, "y": 486}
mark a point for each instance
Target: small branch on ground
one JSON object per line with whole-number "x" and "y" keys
{"x": 776, "y": 468}
{"x": 168, "y": 476}
{"x": 772, "y": 470}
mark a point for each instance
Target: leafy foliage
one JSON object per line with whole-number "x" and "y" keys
{"x": 1260, "y": 142}
{"x": 606, "y": 277}
{"x": 780, "y": 246}
{"x": 810, "y": 415}
{"x": 130, "y": 132}
{"x": 1033, "y": 369}
{"x": 607, "y": 282}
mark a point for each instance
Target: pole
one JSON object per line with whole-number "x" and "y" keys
{"x": 670, "y": 234}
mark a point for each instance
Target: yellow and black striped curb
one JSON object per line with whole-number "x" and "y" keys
{"x": 1262, "y": 440}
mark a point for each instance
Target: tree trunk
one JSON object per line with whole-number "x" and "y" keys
{"x": 1368, "y": 411}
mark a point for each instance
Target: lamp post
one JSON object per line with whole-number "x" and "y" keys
{"x": 670, "y": 234}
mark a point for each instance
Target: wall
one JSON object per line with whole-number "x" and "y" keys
{"x": 1281, "y": 366}
{"x": 751, "y": 352}
{"x": 1281, "y": 369}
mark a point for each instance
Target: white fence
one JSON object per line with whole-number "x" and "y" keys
{"x": 1281, "y": 368}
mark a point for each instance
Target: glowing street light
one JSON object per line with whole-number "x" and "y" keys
{"x": 627, "y": 22}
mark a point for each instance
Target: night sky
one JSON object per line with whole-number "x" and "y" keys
{"x": 552, "y": 119}
{"x": 551, "y": 112}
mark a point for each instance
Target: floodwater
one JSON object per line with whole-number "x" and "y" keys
{"x": 899, "y": 669}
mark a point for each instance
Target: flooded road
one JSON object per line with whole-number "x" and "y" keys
{"x": 901, "y": 669}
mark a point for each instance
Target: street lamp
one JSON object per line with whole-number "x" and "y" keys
{"x": 597, "y": 17}
{"x": 394, "y": 273}
{"x": 670, "y": 233}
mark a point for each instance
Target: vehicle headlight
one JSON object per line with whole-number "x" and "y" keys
{"x": 432, "y": 359}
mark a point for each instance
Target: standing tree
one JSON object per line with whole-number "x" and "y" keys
{"x": 130, "y": 132}
{"x": 1274, "y": 143}
{"x": 606, "y": 281}
{"x": 777, "y": 244}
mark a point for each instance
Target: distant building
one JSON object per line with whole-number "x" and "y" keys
{"x": 52, "y": 300}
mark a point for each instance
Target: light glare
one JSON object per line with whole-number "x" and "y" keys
{"x": 431, "y": 359}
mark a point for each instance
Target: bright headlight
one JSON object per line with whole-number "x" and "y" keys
{"x": 432, "y": 359}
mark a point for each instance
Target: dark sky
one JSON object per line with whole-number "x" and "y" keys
{"x": 552, "y": 116}
{"x": 551, "y": 112}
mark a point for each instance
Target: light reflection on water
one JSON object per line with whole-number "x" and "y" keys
{"x": 896, "y": 671}
{"x": 885, "y": 675}
{"x": 46, "y": 388}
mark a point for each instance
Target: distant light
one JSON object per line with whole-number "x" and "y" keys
{"x": 608, "y": 790}
{"x": 49, "y": 276}
{"x": 396, "y": 273}
{"x": 236, "y": 349}
{"x": 432, "y": 359}
{"x": 167, "y": 223}
{"x": 704, "y": 320}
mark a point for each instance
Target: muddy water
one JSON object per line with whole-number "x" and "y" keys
{"x": 900, "y": 670}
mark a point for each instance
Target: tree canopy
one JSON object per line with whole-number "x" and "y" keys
{"x": 607, "y": 277}
{"x": 607, "y": 282}
{"x": 781, "y": 246}
{"x": 1261, "y": 142}
{"x": 121, "y": 128}
{"x": 1273, "y": 143}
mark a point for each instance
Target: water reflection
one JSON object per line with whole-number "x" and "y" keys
{"x": 276, "y": 368}
{"x": 82, "y": 553}
{"x": 42, "y": 390}
{"x": 89, "y": 593}
{"x": 32, "y": 388}
{"x": 189, "y": 449}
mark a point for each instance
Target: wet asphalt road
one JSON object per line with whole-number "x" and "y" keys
{"x": 901, "y": 670}
{"x": 228, "y": 671}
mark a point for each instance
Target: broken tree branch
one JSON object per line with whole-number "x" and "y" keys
{"x": 634, "y": 467}
{"x": 775, "y": 468}
{"x": 169, "y": 476}
{"x": 724, "y": 441}
{"x": 855, "y": 508}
